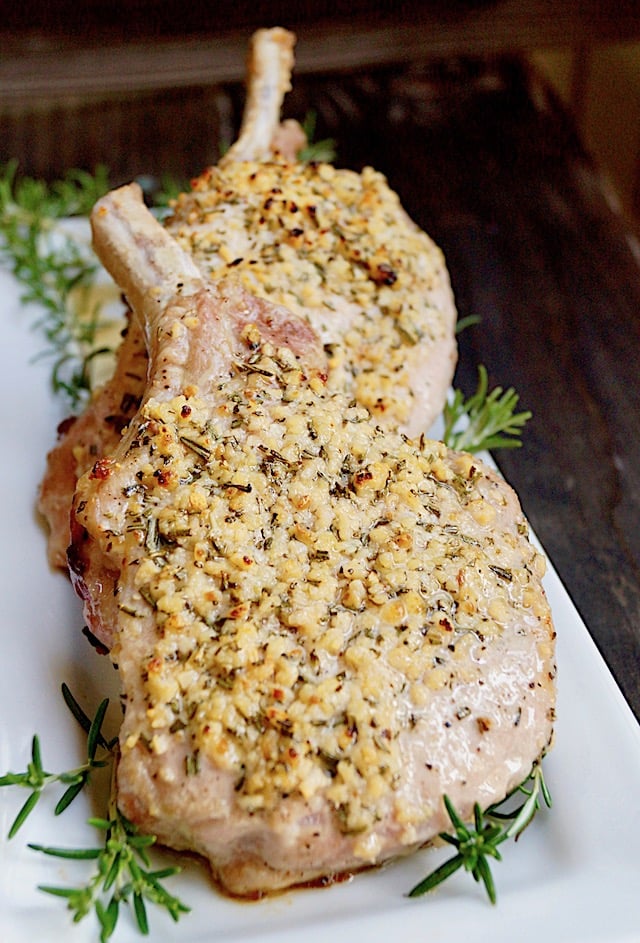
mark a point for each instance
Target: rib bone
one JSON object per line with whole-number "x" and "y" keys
{"x": 269, "y": 68}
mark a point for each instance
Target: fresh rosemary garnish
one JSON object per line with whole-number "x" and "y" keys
{"x": 53, "y": 267}
{"x": 122, "y": 875}
{"x": 487, "y": 420}
{"x": 36, "y": 778}
{"x": 323, "y": 151}
{"x": 122, "y": 871}
{"x": 475, "y": 844}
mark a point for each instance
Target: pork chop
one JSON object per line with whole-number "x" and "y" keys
{"x": 333, "y": 246}
{"x": 320, "y": 626}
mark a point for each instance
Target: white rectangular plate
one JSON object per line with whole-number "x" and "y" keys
{"x": 573, "y": 876}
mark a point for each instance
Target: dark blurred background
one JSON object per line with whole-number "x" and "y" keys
{"x": 146, "y": 86}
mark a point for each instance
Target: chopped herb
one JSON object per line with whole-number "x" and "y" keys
{"x": 231, "y": 484}
{"x": 500, "y": 571}
{"x": 202, "y": 450}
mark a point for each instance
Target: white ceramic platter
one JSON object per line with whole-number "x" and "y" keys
{"x": 573, "y": 876}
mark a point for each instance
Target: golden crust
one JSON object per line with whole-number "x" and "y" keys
{"x": 337, "y": 249}
{"x": 312, "y": 580}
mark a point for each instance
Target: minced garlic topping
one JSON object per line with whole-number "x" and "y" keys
{"x": 310, "y": 579}
{"x": 336, "y": 248}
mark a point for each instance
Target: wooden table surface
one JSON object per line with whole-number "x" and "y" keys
{"x": 488, "y": 163}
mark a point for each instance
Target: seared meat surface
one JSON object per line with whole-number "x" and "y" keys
{"x": 335, "y": 247}
{"x": 83, "y": 439}
{"x": 321, "y": 626}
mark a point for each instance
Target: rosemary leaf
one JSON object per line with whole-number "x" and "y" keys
{"x": 12, "y": 779}
{"x": 438, "y": 876}
{"x": 67, "y": 797}
{"x": 322, "y": 151}
{"x": 483, "y": 873}
{"x": 82, "y": 718}
{"x": 141, "y": 913}
{"x": 24, "y": 812}
{"x": 464, "y": 323}
{"x": 36, "y": 757}
{"x": 94, "y": 736}
{"x": 107, "y": 918}
{"x": 76, "y": 854}
{"x": 57, "y": 891}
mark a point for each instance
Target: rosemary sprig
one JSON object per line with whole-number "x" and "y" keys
{"x": 36, "y": 778}
{"x": 487, "y": 420}
{"x": 123, "y": 872}
{"x": 53, "y": 267}
{"x": 475, "y": 844}
{"x": 122, "y": 875}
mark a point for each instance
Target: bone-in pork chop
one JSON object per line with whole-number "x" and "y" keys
{"x": 333, "y": 246}
{"x": 321, "y": 626}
